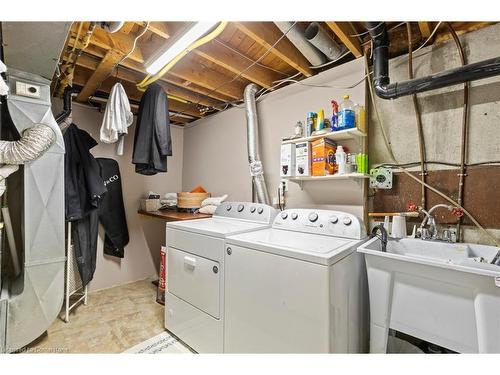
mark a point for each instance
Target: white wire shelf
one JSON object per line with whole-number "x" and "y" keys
{"x": 346, "y": 176}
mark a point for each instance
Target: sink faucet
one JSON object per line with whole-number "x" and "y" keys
{"x": 431, "y": 231}
{"x": 383, "y": 235}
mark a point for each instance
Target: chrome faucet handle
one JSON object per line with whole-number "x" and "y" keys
{"x": 446, "y": 235}
{"x": 425, "y": 234}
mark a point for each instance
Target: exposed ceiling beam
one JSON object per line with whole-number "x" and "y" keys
{"x": 266, "y": 34}
{"x": 195, "y": 71}
{"x": 158, "y": 28}
{"x": 344, "y": 30}
{"x": 126, "y": 74}
{"x": 185, "y": 84}
{"x": 81, "y": 78}
{"x": 100, "y": 74}
{"x": 425, "y": 28}
{"x": 236, "y": 63}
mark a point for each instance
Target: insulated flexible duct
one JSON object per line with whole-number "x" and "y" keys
{"x": 320, "y": 39}
{"x": 256, "y": 168}
{"x": 298, "y": 39}
{"x": 33, "y": 143}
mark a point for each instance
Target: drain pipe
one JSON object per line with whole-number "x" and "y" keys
{"x": 298, "y": 39}
{"x": 387, "y": 90}
{"x": 256, "y": 168}
{"x": 320, "y": 39}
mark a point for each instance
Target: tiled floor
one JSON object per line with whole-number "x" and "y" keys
{"x": 114, "y": 320}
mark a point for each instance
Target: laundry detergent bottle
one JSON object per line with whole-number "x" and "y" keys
{"x": 347, "y": 116}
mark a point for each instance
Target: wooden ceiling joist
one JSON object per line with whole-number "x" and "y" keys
{"x": 425, "y": 28}
{"x": 158, "y": 28}
{"x": 266, "y": 34}
{"x": 91, "y": 63}
{"x": 133, "y": 94}
{"x": 100, "y": 74}
{"x": 200, "y": 74}
{"x": 236, "y": 63}
{"x": 344, "y": 30}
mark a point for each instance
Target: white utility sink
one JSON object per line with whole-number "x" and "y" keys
{"x": 437, "y": 291}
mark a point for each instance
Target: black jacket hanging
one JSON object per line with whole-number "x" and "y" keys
{"x": 84, "y": 189}
{"x": 152, "y": 142}
{"x": 111, "y": 210}
{"x": 84, "y": 186}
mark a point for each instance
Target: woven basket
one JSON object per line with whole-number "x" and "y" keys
{"x": 191, "y": 200}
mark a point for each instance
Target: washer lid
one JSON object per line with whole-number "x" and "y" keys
{"x": 216, "y": 227}
{"x": 309, "y": 247}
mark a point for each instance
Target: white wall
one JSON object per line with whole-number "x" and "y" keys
{"x": 215, "y": 151}
{"x": 146, "y": 234}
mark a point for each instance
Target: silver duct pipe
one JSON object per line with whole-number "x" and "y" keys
{"x": 256, "y": 168}
{"x": 31, "y": 302}
{"x": 319, "y": 38}
{"x": 296, "y": 36}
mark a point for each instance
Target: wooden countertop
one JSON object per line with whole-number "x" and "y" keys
{"x": 169, "y": 215}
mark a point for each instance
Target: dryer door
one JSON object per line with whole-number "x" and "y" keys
{"x": 195, "y": 280}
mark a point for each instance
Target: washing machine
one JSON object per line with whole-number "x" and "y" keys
{"x": 298, "y": 286}
{"x": 194, "y": 299}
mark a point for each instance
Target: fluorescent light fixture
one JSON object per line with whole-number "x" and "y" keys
{"x": 180, "y": 44}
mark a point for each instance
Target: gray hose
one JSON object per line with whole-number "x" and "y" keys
{"x": 33, "y": 143}
{"x": 256, "y": 168}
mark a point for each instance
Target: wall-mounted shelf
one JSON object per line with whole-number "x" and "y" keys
{"x": 340, "y": 135}
{"x": 358, "y": 177}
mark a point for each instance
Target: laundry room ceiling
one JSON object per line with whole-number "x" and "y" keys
{"x": 212, "y": 77}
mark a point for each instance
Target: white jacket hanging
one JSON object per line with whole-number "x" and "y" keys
{"x": 117, "y": 118}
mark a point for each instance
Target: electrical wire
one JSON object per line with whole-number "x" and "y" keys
{"x": 134, "y": 45}
{"x": 251, "y": 65}
{"x": 429, "y": 38}
{"x": 248, "y": 58}
{"x": 368, "y": 29}
{"x": 433, "y": 189}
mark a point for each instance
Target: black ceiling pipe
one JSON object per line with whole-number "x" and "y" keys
{"x": 387, "y": 90}
{"x": 66, "y": 105}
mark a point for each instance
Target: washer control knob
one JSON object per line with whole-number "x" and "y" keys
{"x": 334, "y": 219}
{"x": 252, "y": 209}
{"x": 347, "y": 220}
{"x": 313, "y": 216}
{"x": 284, "y": 215}
{"x": 240, "y": 207}
{"x": 229, "y": 251}
{"x": 228, "y": 208}
{"x": 260, "y": 210}
{"x": 295, "y": 215}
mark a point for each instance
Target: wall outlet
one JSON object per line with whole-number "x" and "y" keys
{"x": 381, "y": 178}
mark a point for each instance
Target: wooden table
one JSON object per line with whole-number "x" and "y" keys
{"x": 170, "y": 215}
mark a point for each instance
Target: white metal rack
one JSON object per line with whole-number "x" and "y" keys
{"x": 73, "y": 284}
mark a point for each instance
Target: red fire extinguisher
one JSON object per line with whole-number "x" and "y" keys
{"x": 160, "y": 298}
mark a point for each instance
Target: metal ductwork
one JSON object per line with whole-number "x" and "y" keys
{"x": 256, "y": 168}
{"x": 298, "y": 39}
{"x": 320, "y": 39}
{"x": 387, "y": 90}
{"x": 31, "y": 301}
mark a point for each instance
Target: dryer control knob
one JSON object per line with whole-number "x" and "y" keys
{"x": 347, "y": 220}
{"x": 334, "y": 219}
{"x": 228, "y": 208}
{"x": 260, "y": 210}
{"x": 284, "y": 215}
{"x": 295, "y": 216}
{"x": 240, "y": 207}
{"x": 313, "y": 216}
{"x": 252, "y": 209}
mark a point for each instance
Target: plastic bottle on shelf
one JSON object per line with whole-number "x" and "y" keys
{"x": 359, "y": 112}
{"x": 347, "y": 116}
{"x": 335, "y": 114}
{"x": 341, "y": 159}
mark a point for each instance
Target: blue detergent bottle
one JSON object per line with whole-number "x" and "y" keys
{"x": 347, "y": 116}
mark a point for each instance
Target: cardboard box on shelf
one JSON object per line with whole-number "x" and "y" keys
{"x": 287, "y": 164}
{"x": 323, "y": 157}
{"x": 303, "y": 159}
